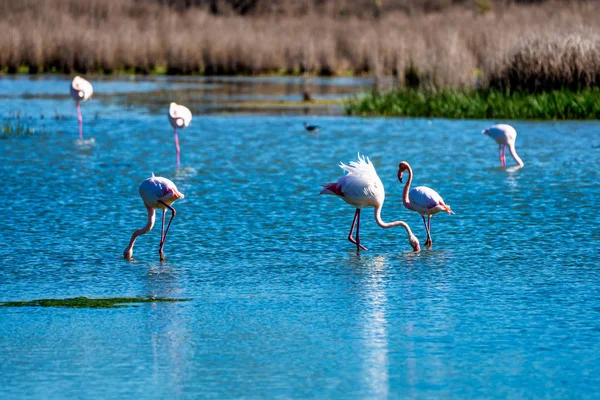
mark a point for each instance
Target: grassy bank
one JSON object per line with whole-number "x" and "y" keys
{"x": 481, "y": 104}
{"x": 444, "y": 45}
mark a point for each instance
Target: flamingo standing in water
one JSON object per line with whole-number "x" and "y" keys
{"x": 156, "y": 192}
{"x": 361, "y": 187}
{"x": 179, "y": 117}
{"x": 421, "y": 199}
{"x": 504, "y": 135}
{"x": 81, "y": 90}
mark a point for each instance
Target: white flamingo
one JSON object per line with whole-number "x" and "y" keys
{"x": 422, "y": 199}
{"x": 504, "y": 135}
{"x": 156, "y": 192}
{"x": 179, "y": 117}
{"x": 81, "y": 90}
{"x": 361, "y": 187}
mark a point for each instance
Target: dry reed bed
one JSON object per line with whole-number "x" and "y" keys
{"x": 550, "y": 43}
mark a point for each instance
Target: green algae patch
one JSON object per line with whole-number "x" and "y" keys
{"x": 84, "y": 302}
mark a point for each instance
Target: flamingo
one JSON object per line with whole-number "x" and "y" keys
{"x": 310, "y": 128}
{"x": 179, "y": 117}
{"x": 504, "y": 135}
{"x": 81, "y": 90}
{"x": 361, "y": 187}
{"x": 422, "y": 199}
{"x": 156, "y": 192}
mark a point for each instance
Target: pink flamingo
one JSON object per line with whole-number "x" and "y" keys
{"x": 179, "y": 117}
{"x": 361, "y": 187}
{"x": 504, "y": 135}
{"x": 81, "y": 90}
{"x": 422, "y": 199}
{"x": 156, "y": 192}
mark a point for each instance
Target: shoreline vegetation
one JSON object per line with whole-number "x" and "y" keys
{"x": 479, "y": 104}
{"x": 488, "y": 58}
{"x": 441, "y": 43}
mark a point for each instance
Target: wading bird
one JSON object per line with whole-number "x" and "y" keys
{"x": 156, "y": 192}
{"x": 310, "y": 128}
{"x": 179, "y": 117}
{"x": 361, "y": 187}
{"x": 81, "y": 90}
{"x": 504, "y": 135}
{"x": 421, "y": 199}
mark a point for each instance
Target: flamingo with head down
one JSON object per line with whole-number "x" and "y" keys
{"x": 156, "y": 193}
{"x": 361, "y": 187}
{"x": 422, "y": 199}
{"x": 505, "y": 135}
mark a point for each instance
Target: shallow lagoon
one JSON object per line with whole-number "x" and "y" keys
{"x": 506, "y": 304}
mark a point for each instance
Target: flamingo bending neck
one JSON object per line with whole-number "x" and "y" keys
{"x": 151, "y": 217}
{"x": 393, "y": 224}
{"x": 513, "y": 153}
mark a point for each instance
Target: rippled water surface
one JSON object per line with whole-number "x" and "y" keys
{"x": 506, "y": 303}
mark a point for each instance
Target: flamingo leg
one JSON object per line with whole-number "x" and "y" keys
{"x": 427, "y": 224}
{"x": 177, "y": 146}
{"x": 162, "y": 227}
{"x": 80, "y": 120}
{"x": 429, "y": 230}
{"x": 503, "y": 155}
{"x": 350, "y": 238}
{"x": 358, "y": 232}
{"x": 164, "y": 238}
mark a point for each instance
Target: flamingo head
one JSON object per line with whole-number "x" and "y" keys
{"x": 414, "y": 242}
{"x": 128, "y": 253}
{"x": 403, "y": 166}
{"x": 486, "y": 132}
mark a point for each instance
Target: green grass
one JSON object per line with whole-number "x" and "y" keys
{"x": 84, "y": 302}
{"x": 16, "y": 126}
{"x": 482, "y": 104}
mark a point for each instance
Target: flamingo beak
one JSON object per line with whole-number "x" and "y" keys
{"x": 400, "y": 176}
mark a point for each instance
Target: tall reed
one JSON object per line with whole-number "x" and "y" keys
{"x": 459, "y": 46}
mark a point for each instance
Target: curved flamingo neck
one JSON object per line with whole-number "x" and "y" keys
{"x": 513, "y": 153}
{"x": 405, "y": 199}
{"x": 386, "y": 225}
{"x": 149, "y": 224}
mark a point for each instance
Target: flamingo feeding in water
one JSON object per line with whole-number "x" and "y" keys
{"x": 81, "y": 90}
{"x": 421, "y": 199}
{"x": 361, "y": 187}
{"x": 504, "y": 135}
{"x": 179, "y": 117}
{"x": 156, "y": 192}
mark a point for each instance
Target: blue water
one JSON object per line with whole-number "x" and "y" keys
{"x": 505, "y": 305}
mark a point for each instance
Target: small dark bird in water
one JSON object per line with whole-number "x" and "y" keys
{"x": 310, "y": 128}
{"x": 306, "y": 96}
